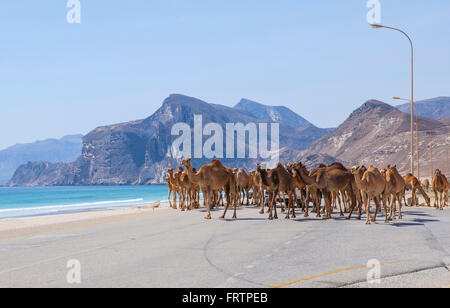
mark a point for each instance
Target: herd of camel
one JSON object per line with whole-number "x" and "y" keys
{"x": 293, "y": 186}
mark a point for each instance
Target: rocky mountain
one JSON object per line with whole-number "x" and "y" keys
{"x": 140, "y": 152}
{"x": 279, "y": 114}
{"x": 434, "y": 108}
{"x": 66, "y": 149}
{"x": 379, "y": 134}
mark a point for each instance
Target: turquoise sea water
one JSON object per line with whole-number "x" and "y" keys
{"x": 31, "y": 201}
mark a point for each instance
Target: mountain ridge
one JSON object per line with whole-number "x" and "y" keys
{"x": 65, "y": 149}
{"x": 139, "y": 152}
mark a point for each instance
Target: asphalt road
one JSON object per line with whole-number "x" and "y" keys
{"x": 178, "y": 249}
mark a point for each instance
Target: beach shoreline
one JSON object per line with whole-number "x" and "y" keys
{"x": 27, "y": 222}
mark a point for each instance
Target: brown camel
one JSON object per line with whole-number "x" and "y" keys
{"x": 270, "y": 182}
{"x": 440, "y": 187}
{"x": 412, "y": 183}
{"x": 213, "y": 177}
{"x": 426, "y": 185}
{"x": 301, "y": 186}
{"x": 243, "y": 186}
{"x": 334, "y": 178}
{"x": 286, "y": 186}
{"x": 372, "y": 185}
{"x": 313, "y": 193}
{"x": 394, "y": 190}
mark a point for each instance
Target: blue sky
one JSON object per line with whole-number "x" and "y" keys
{"x": 319, "y": 58}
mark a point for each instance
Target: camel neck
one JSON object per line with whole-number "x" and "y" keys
{"x": 193, "y": 177}
{"x": 308, "y": 180}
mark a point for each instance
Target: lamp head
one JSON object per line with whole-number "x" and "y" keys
{"x": 375, "y": 26}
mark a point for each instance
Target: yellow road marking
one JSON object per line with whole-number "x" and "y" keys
{"x": 79, "y": 225}
{"x": 348, "y": 269}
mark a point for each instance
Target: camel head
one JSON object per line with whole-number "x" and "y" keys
{"x": 170, "y": 171}
{"x": 390, "y": 173}
{"x": 393, "y": 168}
{"x": 289, "y": 167}
{"x": 359, "y": 171}
{"x": 187, "y": 163}
{"x": 178, "y": 172}
{"x": 258, "y": 167}
{"x": 297, "y": 165}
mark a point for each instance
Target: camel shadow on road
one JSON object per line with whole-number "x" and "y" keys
{"x": 414, "y": 222}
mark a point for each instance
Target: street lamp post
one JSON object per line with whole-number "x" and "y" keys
{"x": 417, "y": 134}
{"x": 375, "y": 26}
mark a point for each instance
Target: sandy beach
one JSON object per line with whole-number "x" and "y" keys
{"x": 11, "y": 224}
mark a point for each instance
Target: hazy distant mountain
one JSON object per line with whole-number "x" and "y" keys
{"x": 434, "y": 108}
{"x": 66, "y": 149}
{"x": 379, "y": 134}
{"x": 139, "y": 152}
{"x": 279, "y": 114}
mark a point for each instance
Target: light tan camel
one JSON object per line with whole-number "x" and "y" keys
{"x": 334, "y": 178}
{"x": 372, "y": 185}
{"x": 440, "y": 186}
{"x": 188, "y": 188}
{"x": 172, "y": 188}
{"x": 256, "y": 187}
{"x": 394, "y": 190}
{"x": 178, "y": 188}
{"x": 213, "y": 177}
{"x": 412, "y": 183}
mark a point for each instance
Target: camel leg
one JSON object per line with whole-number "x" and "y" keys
{"x": 399, "y": 197}
{"x": 281, "y": 202}
{"x": 229, "y": 198}
{"x": 367, "y": 208}
{"x": 305, "y": 205}
{"x": 386, "y": 218}
{"x": 392, "y": 209}
{"x": 317, "y": 201}
{"x": 340, "y": 205}
{"x": 288, "y": 206}
{"x": 235, "y": 213}
{"x": 294, "y": 199}
{"x": 270, "y": 205}
{"x": 377, "y": 203}
{"x": 174, "y": 200}
{"x": 274, "y": 204}
{"x": 209, "y": 200}
{"x": 262, "y": 207}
